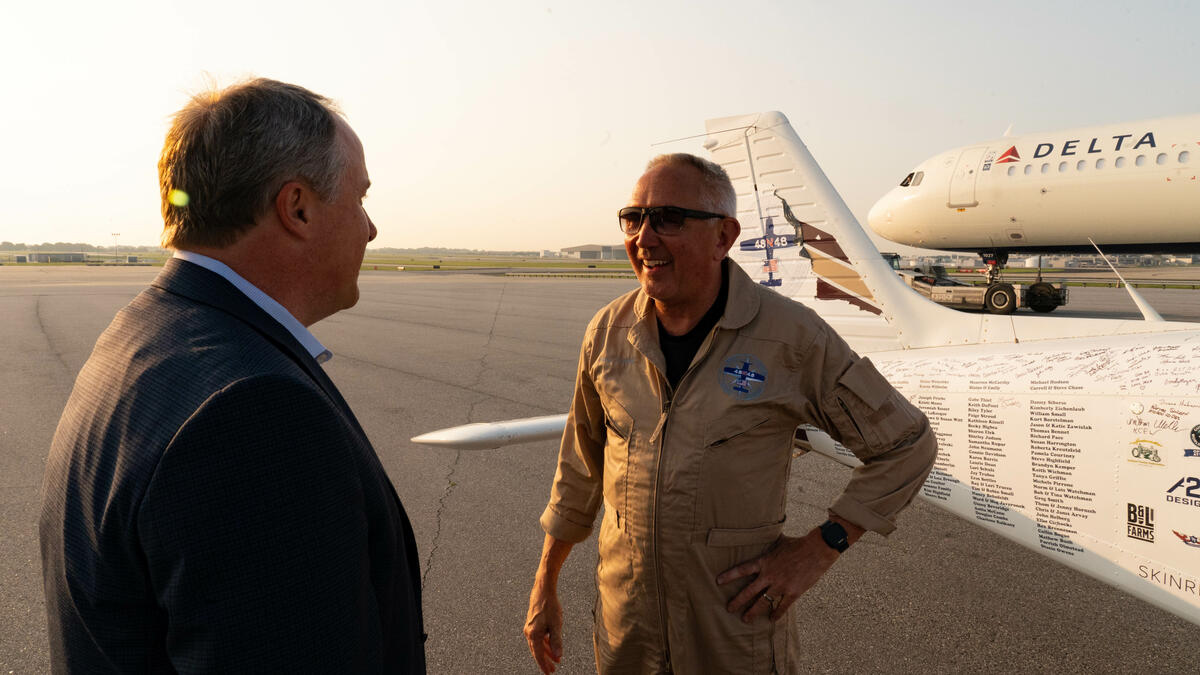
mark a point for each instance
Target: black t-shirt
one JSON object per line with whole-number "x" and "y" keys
{"x": 680, "y": 350}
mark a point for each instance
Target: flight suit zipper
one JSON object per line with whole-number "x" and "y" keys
{"x": 846, "y": 410}
{"x": 701, "y": 354}
{"x": 658, "y": 575}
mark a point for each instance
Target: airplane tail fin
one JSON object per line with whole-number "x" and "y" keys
{"x": 799, "y": 237}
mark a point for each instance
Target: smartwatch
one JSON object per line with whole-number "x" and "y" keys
{"x": 834, "y": 535}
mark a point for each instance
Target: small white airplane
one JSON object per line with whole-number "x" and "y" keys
{"x": 1077, "y": 438}
{"x": 1132, "y": 187}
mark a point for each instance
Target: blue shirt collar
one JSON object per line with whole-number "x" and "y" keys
{"x": 268, "y": 304}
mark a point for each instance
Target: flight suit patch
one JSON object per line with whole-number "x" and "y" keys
{"x": 744, "y": 377}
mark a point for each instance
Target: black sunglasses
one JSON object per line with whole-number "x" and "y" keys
{"x": 665, "y": 220}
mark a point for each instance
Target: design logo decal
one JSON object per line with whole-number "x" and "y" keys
{"x": 1009, "y": 155}
{"x": 1186, "y": 585}
{"x": 1140, "y": 523}
{"x": 1187, "y": 496}
{"x": 1146, "y": 452}
{"x": 1196, "y": 435}
{"x": 743, "y": 377}
{"x": 1189, "y": 539}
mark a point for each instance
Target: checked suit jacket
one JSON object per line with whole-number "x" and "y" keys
{"x": 210, "y": 503}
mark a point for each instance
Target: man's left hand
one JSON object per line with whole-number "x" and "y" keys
{"x": 781, "y": 575}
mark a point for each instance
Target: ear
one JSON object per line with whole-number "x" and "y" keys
{"x": 727, "y": 235}
{"x": 294, "y": 207}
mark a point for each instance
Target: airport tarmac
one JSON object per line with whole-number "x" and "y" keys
{"x": 423, "y": 351}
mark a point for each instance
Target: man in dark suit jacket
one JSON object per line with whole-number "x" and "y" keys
{"x": 210, "y": 501}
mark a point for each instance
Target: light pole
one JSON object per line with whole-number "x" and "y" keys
{"x": 116, "y": 251}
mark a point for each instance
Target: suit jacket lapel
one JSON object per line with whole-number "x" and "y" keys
{"x": 196, "y": 283}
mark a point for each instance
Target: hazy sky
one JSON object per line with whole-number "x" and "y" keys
{"x": 522, "y": 125}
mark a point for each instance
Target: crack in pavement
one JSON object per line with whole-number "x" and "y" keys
{"x": 437, "y": 533}
{"x": 444, "y": 326}
{"x": 345, "y": 356}
{"x": 37, "y": 312}
{"x": 450, "y": 483}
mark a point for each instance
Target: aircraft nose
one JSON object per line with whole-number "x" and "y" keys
{"x": 880, "y": 217}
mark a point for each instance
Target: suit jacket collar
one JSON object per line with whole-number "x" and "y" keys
{"x": 185, "y": 279}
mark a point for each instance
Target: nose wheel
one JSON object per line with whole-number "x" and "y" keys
{"x": 1001, "y": 298}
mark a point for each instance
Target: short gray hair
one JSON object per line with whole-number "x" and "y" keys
{"x": 229, "y": 152}
{"x": 718, "y": 189}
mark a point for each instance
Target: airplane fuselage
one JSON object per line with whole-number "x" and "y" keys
{"x": 1130, "y": 187}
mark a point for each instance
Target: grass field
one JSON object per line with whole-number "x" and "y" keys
{"x": 381, "y": 262}
{"x": 422, "y": 263}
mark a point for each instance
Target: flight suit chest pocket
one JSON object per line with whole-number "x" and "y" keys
{"x": 725, "y": 432}
{"x": 618, "y": 458}
{"x": 869, "y": 412}
{"x": 744, "y": 473}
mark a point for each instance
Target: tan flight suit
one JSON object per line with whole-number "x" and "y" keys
{"x": 694, "y": 480}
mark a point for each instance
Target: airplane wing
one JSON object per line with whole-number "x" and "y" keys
{"x": 1076, "y": 438}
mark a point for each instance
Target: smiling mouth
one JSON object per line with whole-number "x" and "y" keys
{"x": 652, "y": 264}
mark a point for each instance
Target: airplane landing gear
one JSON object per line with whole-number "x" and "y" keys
{"x": 995, "y": 261}
{"x": 1001, "y": 298}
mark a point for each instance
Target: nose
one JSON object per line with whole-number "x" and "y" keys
{"x": 646, "y": 236}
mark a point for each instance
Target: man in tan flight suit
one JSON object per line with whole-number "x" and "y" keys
{"x": 687, "y": 396}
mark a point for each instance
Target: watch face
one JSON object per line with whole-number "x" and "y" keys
{"x": 834, "y": 535}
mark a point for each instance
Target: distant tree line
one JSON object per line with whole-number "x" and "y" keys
{"x": 434, "y": 250}
{"x": 75, "y": 247}
{"x": 71, "y": 247}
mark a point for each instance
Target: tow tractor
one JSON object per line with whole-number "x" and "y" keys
{"x": 997, "y": 297}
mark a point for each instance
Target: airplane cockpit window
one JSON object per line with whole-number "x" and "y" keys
{"x": 916, "y": 179}
{"x": 907, "y": 180}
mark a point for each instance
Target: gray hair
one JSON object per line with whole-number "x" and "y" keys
{"x": 718, "y": 189}
{"x": 229, "y": 152}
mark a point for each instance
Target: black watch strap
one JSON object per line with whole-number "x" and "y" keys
{"x": 834, "y": 535}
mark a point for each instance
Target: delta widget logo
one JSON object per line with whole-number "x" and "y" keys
{"x": 1009, "y": 155}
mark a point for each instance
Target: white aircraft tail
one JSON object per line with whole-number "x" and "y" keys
{"x": 799, "y": 237}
